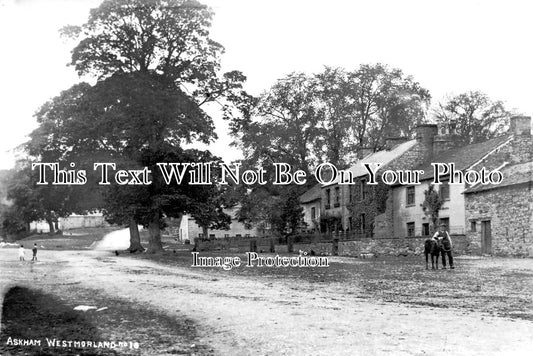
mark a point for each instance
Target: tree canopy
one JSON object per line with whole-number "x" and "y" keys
{"x": 474, "y": 116}
{"x": 155, "y": 68}
{"x": 329, "y": 115}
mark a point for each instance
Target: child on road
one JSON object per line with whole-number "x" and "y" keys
{"x": 21, "y": 253}
{"x": 34, "y": 250}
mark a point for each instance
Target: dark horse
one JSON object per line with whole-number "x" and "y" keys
{"x": 432, "y": 247}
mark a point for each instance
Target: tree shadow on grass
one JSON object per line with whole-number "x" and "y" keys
{"x": 33, "y": 315}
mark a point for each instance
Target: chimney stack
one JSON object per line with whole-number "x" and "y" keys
{"x": 425, "y": 134}
{"x": 442, "y": 143}
{"x": 523, "y": 140}
{"x": 520, "y": 125}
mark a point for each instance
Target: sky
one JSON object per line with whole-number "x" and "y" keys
{"x": 449, "y": 47}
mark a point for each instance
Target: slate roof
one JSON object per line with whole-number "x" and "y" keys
{"x": 312, "y": 194}
{"x": 463, "y": 157}
{"x": 382, "y": 157}
{"x": 512, "y": 175}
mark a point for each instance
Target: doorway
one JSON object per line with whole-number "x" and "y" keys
{"x": 486, "y": 238}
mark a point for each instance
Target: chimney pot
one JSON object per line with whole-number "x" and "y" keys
{"x": 520, "y": 125}
{"x": 425, "y": 133}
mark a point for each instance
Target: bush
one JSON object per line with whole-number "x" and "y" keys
{"x": 12, "y": 224}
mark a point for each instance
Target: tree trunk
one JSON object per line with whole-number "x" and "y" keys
{"x": 50, "y": 225}
{"x": 135, "y": 238}
{"x": 290, "y": 245}
{"x": 434, "y": 227}
{"x": 154, "y": 244}
{"x": 205, "y": 231}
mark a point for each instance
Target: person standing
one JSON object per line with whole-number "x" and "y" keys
{"x": 34, "y": 250}
{"x": 21, "y": 253}
{"x": 446, "y": 245}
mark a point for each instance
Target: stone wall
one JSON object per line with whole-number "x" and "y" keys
{"x": 397, "y": 246}
{"x": 378, "y": 247}
{"x": 510, "y": 211}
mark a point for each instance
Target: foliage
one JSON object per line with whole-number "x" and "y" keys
{"x": 281, "y": 125}
{"x": 473, "y": 117}
{"x": 291, "y": 213}
{"x": 209, "y": 201}
{"x": 156, "y": 67}
{"x": 281, "y": 212}
{"x": 372, "y": 204}
{"x": 305, "y": 119}
{"x": 431, "y": 205}
{"x": 32, "y": 202}
{"x": 165, "y": 37}
{"x": 329, "y": 222}
{"x": 361, "y": 108}
{"x": 12, "y": 222}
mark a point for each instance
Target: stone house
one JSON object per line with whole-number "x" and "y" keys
{"x": 499, "y": 217}
{"x": 311, "y": 202}
{"x": 370, "y": 208}
{"x": 467, "y": 209}
{"x": 337, "y": 197}
{"x": 348, "y": 207}
{"x": 409, "y": 219}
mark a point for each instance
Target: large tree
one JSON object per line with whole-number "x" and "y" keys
{"x": 280, "y": 125}
{"x": 278, "y": 209}
{"x": 156, "y": 67}
{"x": 33, "y": 202}
{"x": 386, "y": 103}
{"x": 306, "y": 119}
{"x": 473, "y": 116}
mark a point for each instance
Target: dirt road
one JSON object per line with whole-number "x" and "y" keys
{"x": 243, "y": 315}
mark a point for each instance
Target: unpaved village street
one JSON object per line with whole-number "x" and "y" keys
{"x": 241, "y": 314}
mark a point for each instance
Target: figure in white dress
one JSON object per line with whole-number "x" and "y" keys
{"x": 21, "y": 253}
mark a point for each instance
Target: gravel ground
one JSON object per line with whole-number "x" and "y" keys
{"x": 250, "y": 312}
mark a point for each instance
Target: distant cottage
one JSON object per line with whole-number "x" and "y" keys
{"x": 190, "y": 230}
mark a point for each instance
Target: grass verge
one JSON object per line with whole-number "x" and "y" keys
{"x": 31, "y": 314}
